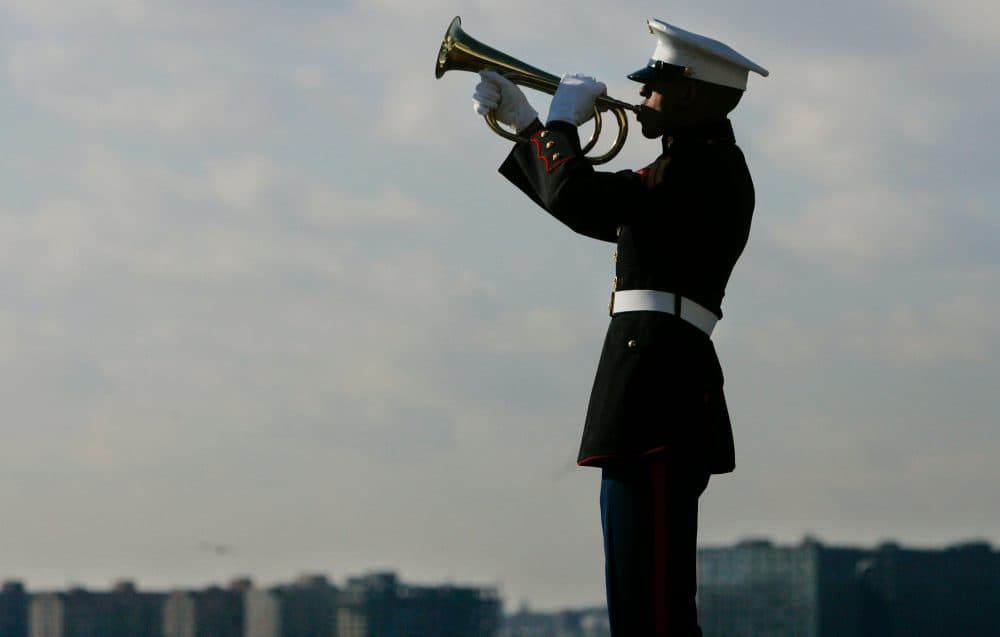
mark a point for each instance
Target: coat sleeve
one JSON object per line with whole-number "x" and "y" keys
{"x": 552, "y": 171}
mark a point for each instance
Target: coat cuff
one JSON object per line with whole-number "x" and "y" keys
{"x": 555, "y": 145}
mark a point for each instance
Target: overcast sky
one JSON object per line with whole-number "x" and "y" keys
{"x": 261, "y": 285}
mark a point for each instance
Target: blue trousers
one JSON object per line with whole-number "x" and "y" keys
{"x": 649, "y": 514}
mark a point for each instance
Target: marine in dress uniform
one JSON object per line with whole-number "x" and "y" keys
{"x": 657, "y": 423}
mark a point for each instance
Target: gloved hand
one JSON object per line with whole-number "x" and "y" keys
{"x": 496, "y": 93}
{"x": 573, "y": 101}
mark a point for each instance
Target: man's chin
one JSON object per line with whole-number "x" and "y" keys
{"x": 650, "y": 130}
{"x": 651, "y": 126}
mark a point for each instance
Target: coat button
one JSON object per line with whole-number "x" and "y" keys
{"x": 632, "y": 344}
{"x": 615, "y": 257}
{"x": 555, "y": 156}
{"x": 549, "y": 144}
{"x": 614, "y": 283}
{"x": 543, "y": 134}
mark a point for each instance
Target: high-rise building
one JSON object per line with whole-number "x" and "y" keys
{"x": 121, "y": 612}
{"x": 213, "y": 612}
{"x": 13, "y": 610}
{"x": 587, "y": 622}
{"x": 306, "y": 608}
{"x": 47, "y": 615}
{"x": 261, "y": 614}
{"x": 378, "y": 605}
{"x": 757, "y": 589}
{"x": 528, "y": 623}
{"x": 926, "y": 593}
{"x": 179, "y": 615}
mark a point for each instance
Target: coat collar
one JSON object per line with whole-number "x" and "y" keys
{"x": 712, "y": 132}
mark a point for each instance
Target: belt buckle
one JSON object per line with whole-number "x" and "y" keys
{"x": 611, "y": 305}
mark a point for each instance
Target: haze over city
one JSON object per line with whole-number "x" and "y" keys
{"x": 266, "y": 306}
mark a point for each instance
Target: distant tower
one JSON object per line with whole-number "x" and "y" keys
{"x": 378, "y": 605}
{"x": 262, "y": 614}
{"x": 47, "y": 615}
{"x": 756, "y": 589}
{"x": 13, "y": 610}
{"x": 179, "y": 615}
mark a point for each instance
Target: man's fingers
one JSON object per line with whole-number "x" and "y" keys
{"x": 486, "y": 98}
{"x": 487, "y": 91}
{"x": 483, "y": 107}
{"x": 494, "y": 78}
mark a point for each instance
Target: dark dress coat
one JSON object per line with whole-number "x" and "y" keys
{"x": 680, "y": 225}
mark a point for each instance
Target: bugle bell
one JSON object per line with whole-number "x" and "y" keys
{"x": 460, "y": 52}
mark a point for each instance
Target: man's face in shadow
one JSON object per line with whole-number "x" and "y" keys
{"x": 667, "y": 104}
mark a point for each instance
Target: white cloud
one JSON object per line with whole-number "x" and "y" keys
{"x": 412, "y": 112}
{"x": 959, "y": 328}
{"x": 852, "y": 131}
{"x": 242, "y": 182}
{"x": 968, "y": 21}
{"x": 841, "y": 121}
{"x": 784, "y": 340}
{"x": 310, "y": 78}
{"x": 328, "y": 208}
{"x": 218, "y": 222}
{"x": 74, "y": 12}
{"x": 541, "y": 331}
{"x": 851, "y": 230}
{"x": 101, "y": 86}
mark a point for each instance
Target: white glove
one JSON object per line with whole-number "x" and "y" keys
{"x": 509, "y": 105}
{"x": 573, "y": 101}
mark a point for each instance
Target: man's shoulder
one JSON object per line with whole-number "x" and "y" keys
{"x": 711, "y": 163}
{"x": 655, "y": 174}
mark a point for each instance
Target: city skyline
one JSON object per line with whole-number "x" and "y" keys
{"x": 306, "y": 578}
{"x": 754, "y": 588}
{"x": 267, "y": 306}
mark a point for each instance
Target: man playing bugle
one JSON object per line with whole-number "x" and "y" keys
{"x": 657, "y": 423}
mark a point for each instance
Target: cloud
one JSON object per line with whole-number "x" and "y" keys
{"x": 310, "y": 78}
{"x": 248, "y": 251}
{"x": 258, "y": 183}
{"x": 412, "y": 113}
{"x": 242, "y": 182}
{"x": 967, "y": 21}
{"x": 859, "y": 135}
{"x": 327, "y": 208}
{"x": 843, "y": 120}
{"x": 955, "y": 329}
{"x": 784, "y": 340}
{"x": 76, "y": 11}
{"x": 95, "y": 85}
{"x": 852, "y": 230}
{"x": 118, "y": 212}
{"x": 531, "y": 331}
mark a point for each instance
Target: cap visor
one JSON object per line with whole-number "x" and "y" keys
{"x": 657, "y": 70}
{"x": 645, "y": 74}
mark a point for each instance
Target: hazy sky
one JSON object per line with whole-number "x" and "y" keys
{"x": 261, "y": 285}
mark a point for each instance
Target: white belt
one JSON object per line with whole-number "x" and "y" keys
{"x": 657, "y": 301}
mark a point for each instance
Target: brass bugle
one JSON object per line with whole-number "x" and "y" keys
{"x": 461, "y": 52}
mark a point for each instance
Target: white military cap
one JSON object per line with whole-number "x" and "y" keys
{"x": 682, "y": 53}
